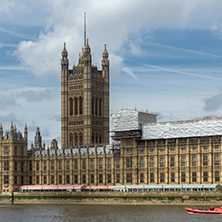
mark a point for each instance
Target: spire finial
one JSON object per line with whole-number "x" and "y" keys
{"x": 84, "y": 28}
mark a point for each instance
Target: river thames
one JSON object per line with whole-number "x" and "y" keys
{"x": 97, "y": 213}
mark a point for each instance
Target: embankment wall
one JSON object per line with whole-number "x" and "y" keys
{"x": 123, "y": 198}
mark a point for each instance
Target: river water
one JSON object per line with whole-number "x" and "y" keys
{"x": 103, "y": 213}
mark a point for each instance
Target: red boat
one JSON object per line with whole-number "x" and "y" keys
{"x": 206, "y": 211}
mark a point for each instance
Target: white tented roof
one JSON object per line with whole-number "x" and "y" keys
{"x": 126, "y": 120}
{"x": 210, "y": 126}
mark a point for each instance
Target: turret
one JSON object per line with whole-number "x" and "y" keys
{"x": 105, "y": 63}
{"x": 87, "y": 54}
{"x": 12, "y": 131}
{"x": 26, "y": 132}
{"x": 64, "y": 60}
{"x": 38, "y": 139}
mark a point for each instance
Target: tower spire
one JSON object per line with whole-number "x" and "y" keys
{"x": 84, "y": 28}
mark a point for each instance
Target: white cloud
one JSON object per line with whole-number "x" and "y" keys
{"x": 109, "y": 21}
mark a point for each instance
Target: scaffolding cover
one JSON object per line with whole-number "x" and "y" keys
{"x": 208, "y": 126}
{"x": 126, "y": 120}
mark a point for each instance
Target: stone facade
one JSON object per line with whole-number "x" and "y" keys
{"x": 84, "y": 100}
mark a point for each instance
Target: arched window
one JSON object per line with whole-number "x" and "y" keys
{"x": 96, "y": 135}
{"x": 76, "y": 139}
{"x": 71, "y": 106}
{"x": 100, "y": 107}
{"x": 76, "y": 106}
{"x": 92, "y": 138}
{"x": 100, "y": 138}
{"x": 96, "y": 108}
{"x": 93, "y": 106}
{"x": 71, "y": 139}
{"x": 80, "y": 105}
{"x": 81, "y": 138}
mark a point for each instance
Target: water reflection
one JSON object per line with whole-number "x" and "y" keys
{"x": 42, "y": 213}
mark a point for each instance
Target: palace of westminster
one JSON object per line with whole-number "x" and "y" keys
{"x": 143, "y": 151}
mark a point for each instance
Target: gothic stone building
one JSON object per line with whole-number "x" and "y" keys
{"x": 84, "y": 100}
{"x": 143, "y": 150}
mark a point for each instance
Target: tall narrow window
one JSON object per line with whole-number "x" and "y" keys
{"x": 37, "y": 165}
{"x": 217, "y": 159}
{"x": 6, "y": 152}
{"x": 80, "y": 105}
{"x": 183, "y": 161}
{"x": 100, "y": 163}
{"x": 92, "y": 106}
{"x": 67, "y": 165}
{"x": 71, "y": 106}
{"x": 45, "y": 166}
{"x": 60, "y": 165}
{"x": 96, "y": 107}
{"x": 117, "y": 162}
{"x": 60, "y": 179}
{"x": 83, "y": 164}
{"x": 37, "y": 179}
{"x": 76, "y": 164}
{"x": 162, "y": 177}
{"x": 151, "y": 162}
{"x": 117, "y": 178}
{"x": 22, "y": 166}
{"x": 15, "y": 166}
{"x": 76, "y": 106}
{"x": 194, "y": 160}
{"x": 96, "y": 135}
{"x": 92, "y": 164}
{"x": 129, "y": 177}
{"x": 16, "y": 151}
{"x": 81, "y": 139}
{"x": 92, "y": 138}
{"x": 100, "y": 178}
{"x": 172, "y": 161}
{"x": 100, "y": 138}
{"x": 67, "y": 179}
{"x": 22, "y": 151}
{"x": 76, "y": 139}
{"x": 52, "y": 165}
{"x": 183, "y": 177}
{"x": 6, "y": 165}
{"x": 45, "y": 179}
{"x": 129, "y": 162}
{"x": 205, "y": 160}
{"x": 194, "y": 177}
{"x": 141, "y": 178}
{"x": 52, "y": 179}
{"x": 30, "y": 165}
{"x": 76, "y": 178}
{"x": 162, "y": 163}
{"x": 109, "y": 178}
{"x": 92, "y": 178}
{"x": 100, "y": 107}
{"x": 6, "y": 179}
{"x": 141, "y": 162}
{"x": 151, "y": 177}
{"x": 217, "y": 176}
{"x": 172, "y": 177}
{"x": 71, "y": 139}
{"x": 205, "y": 176}
{"x": 109, "y": 163}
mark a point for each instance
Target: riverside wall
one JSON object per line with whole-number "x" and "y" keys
{"x": 115, "y": 198}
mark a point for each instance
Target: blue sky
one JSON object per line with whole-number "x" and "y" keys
{"x": 165, "y": 56}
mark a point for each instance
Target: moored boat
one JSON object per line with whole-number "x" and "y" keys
{"x": 204, "y": 211}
